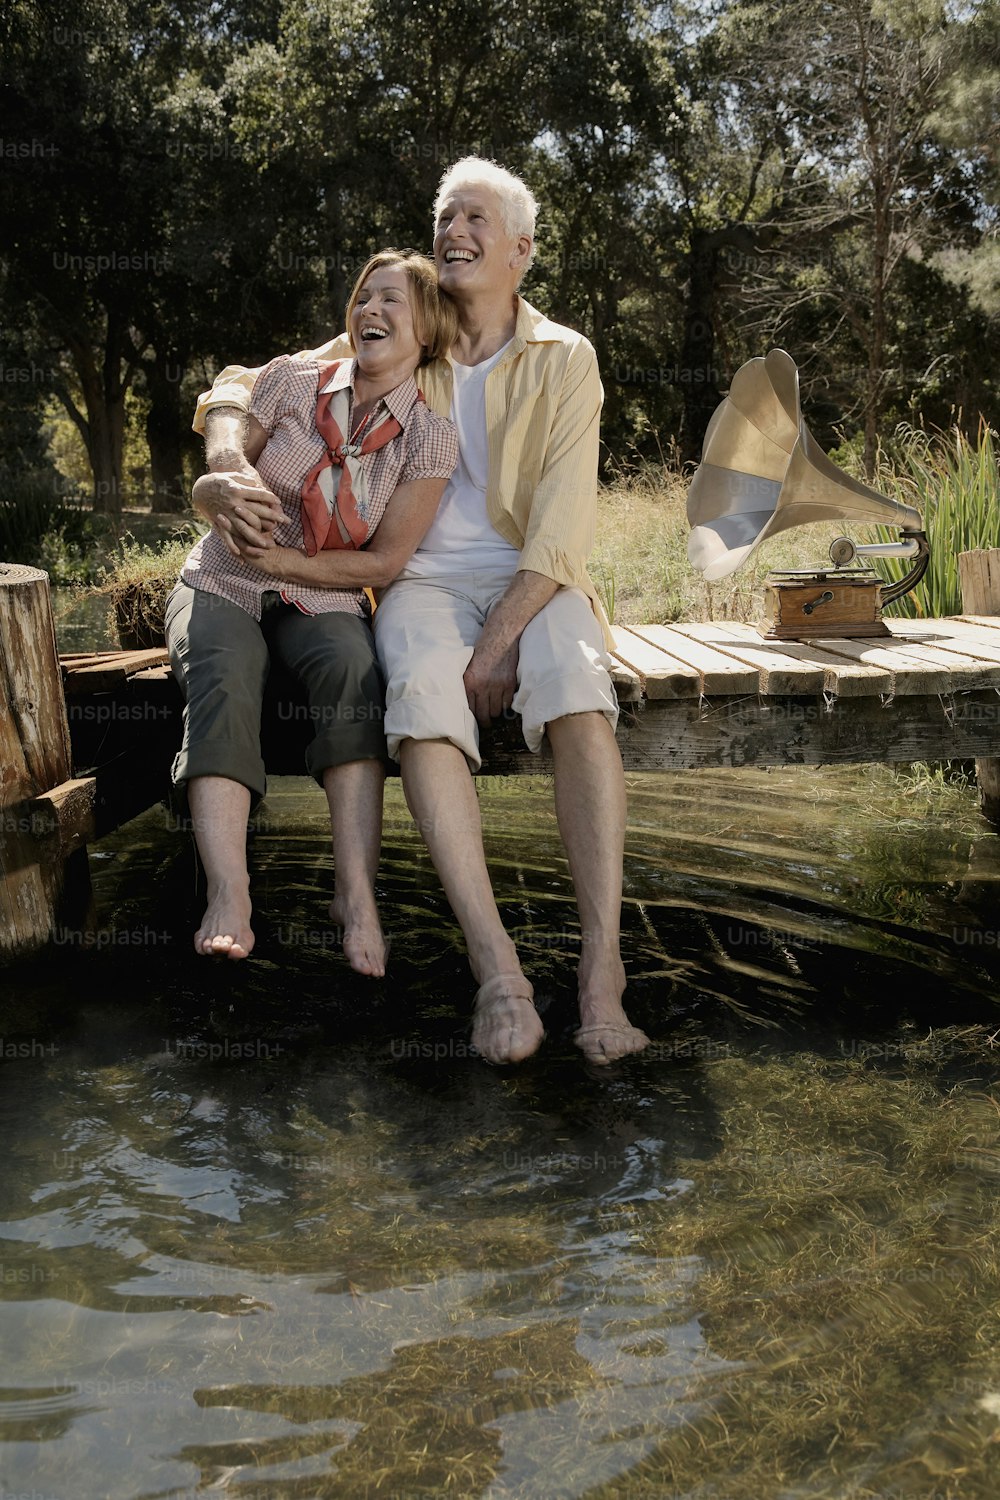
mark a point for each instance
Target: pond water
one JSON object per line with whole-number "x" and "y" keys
{"x": 268, "y": 1229}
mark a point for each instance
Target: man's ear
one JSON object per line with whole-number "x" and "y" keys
{"x": 521, "y": 252}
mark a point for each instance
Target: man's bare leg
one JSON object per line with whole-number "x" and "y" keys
{"x": 590, "y": 807}
{"x": 441, "y": 795}
{"x": 354, "y": 794}
{"x": 219, "y": 812}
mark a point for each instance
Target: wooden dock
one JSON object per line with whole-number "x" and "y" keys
{"x": 691, "y": 695}
{"x": 84, "y": 755}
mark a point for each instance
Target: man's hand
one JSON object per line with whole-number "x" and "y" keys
{"x": 491, "y": 676}
{"x": 239, "y": 505}
{"x": 491, "y": 680}
{"x": 232, "y": 494}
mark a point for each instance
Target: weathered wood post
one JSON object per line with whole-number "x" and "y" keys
{"x": 37, "y": 863}
{"x": 979, "y": 576}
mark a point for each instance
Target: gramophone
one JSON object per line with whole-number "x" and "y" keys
{"x": 762, "y": 472}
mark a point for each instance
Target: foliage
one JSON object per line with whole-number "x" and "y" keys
{"x": 197, "y": 184}
{"x": 955, "y": 484}
{"x": 138, "y": 581}
{"x": 41, "y": 526}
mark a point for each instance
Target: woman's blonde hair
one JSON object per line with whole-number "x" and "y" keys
{"x": 435, "y": 321}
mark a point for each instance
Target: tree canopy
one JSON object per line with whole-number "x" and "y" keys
{"x": 187, "y": 183}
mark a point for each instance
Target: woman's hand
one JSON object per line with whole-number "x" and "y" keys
{"x": 284, "y": 563}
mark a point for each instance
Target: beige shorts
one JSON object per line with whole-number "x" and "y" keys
{"x": 425, "y": 632}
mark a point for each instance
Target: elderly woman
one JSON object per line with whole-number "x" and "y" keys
{"x": 359, "y": 463}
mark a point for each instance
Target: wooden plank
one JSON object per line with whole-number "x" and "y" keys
{"x": 626, "y": 683}
{"x": 68, "y": 812}
{"x": 663, "y": 676}
{"x": 720, "y": 674}
{"x": 968, "y": 641}
{"x": 985, "y": 622}
{"x": 965, "y": 673}
{"x": 677, "y": 734}
{"x": 909, "y": 676}
{"x": 844, "y": 679}
{"x": 109, "y": 669}
{"x": 779, "y": 673}
{"x": 979, "y": 582}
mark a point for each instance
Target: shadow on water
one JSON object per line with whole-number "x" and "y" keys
{"x": 271, "y": 1229}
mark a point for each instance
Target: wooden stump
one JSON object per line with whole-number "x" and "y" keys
{"x": 34, "y": 762}
{"x": 979, "y": 575}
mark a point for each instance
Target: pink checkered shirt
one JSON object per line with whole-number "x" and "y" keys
{"x": 284, "y": 403}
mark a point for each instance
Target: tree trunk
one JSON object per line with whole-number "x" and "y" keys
{"x": 164, "y": 434}
{"x": 107, "y": 426}
{"x": 697, "y": 376}
{"x": 876, "y": 378}
{"x": 103, "y": 431}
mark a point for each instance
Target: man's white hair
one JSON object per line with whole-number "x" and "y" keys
{"x": 518, "y": 208}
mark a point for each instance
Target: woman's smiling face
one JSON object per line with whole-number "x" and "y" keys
{"x": 382, "y": 325}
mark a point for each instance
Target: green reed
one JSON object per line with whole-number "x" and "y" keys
{"x": 954, "y": 483}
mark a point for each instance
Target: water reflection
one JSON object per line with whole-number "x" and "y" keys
{"x": 270, "y": 1229}
{"x": 83, "y": 620}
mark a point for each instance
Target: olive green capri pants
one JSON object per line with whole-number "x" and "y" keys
{"x": 221, "y": 657}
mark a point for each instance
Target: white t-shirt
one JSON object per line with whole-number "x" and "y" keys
{"x": 461, "y": 538}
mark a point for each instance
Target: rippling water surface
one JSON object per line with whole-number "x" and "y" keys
{"x": 269, "y": 1229}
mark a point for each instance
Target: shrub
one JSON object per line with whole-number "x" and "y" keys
{"x": 137, "y": 584}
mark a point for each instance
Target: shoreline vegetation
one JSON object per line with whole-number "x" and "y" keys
{"x": 640, "y": 559}
{"x": 639, "y": 562}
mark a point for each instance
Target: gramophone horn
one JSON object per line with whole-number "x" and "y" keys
{"x": 762, "y": 472}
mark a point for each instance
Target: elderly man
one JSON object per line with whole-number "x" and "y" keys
{"x": 495, "y": 608}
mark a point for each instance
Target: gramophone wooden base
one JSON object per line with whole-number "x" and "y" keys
{"x": 802, "y": 609}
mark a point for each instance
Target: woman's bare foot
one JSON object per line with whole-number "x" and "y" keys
{"x": 506, "y": 1027}
{"x": 225, "y": 928}
{"x": 364, "y": 944}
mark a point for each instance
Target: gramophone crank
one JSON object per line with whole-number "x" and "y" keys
{"x": 763, "y": 472}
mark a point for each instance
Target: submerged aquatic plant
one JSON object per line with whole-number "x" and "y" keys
{"x": 848, "y": 1230}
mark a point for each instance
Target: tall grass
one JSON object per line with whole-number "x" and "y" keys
{"x": 955, "y": 484}
{"x": 640, "y": 565}
{"x": 640, "y": 561}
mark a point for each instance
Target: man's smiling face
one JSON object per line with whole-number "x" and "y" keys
{"x": 472, "y": 248}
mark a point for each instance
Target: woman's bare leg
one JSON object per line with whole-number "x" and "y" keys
{"x": 354, "y": 794}
{"x": 219, "y": 812}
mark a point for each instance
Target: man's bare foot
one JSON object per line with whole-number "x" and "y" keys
{"x": 506, "y": 1027}
{"x": 225, "y": 928}
{"x": 364, "y": 944}
{"x": 607, "y": 1043}
{"x": 606, "y": 1034}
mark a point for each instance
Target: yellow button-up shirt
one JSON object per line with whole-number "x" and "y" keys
{"x": 543, "y": 410}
